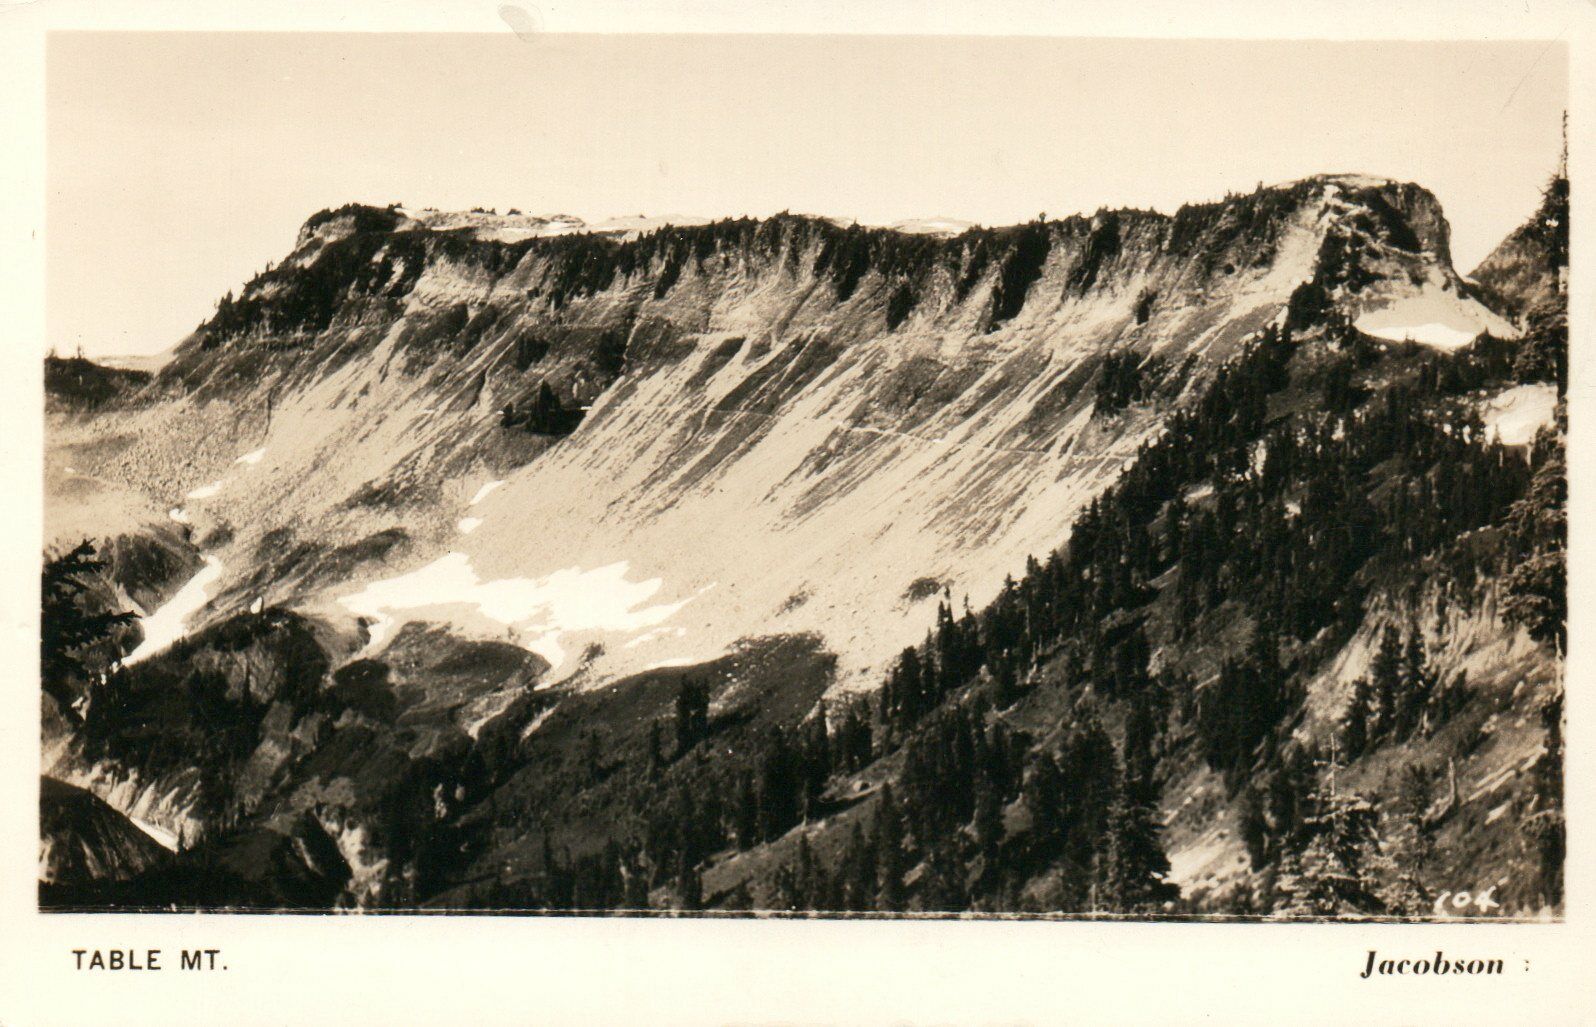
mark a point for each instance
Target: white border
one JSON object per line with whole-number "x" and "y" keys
{"x": 411, "y": 970}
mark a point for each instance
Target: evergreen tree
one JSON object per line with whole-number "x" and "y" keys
{"x": 859, "y": 872}
{"x": 1355, "y": 721}
{"x": 815, "y": 757}
{"x": 1418, "y": 681}
{"x": 1537, "y": 586}
{"x": 689, "y": 885}
{"x": 593, "y": 754}
{"x": 1385, "y": 671}
{"x": 1545, "y": 827}
{"x": 746, "y": 826}
{"x": 779, "y": 786}
{"x": 656, "y": 759}
{"x": 1134, "y": 866}
{"x": 692, "y": 714}
{"x": 1413, "y": 843}
{"x": 1254, "y": 827}
{"x": 1333, "y": 875}
{"x": 76, "y": 642}
{"x": 889, "y": 853}
{"x": 942, "y": 879}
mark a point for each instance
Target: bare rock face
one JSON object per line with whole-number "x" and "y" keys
{"x": 1529, "y": 268}
{"x": 83, "y": 840}
{"x": 441, "y": 463}
{"x": 733, "y": 413}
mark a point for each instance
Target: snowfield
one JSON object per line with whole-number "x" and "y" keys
{"x": 536, "y": 613}
{"x": 1433, "y": 317}
{"x": 170, "y": 623}
{"x": 1514, "y": 416}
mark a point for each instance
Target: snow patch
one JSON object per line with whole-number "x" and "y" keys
{"x": 1514, "y": 416}
{"x": 680, "y": 661}
{"x": 646, "y": 637}
{"x": 206, "y": 491}
{"x": 535, "y": 723}
{"x": 1432, "y": 333}
{"x": 252, "y": 457}
{"x": 1434, "y": 317}
{"x": 485, "y": 491}
{"x": 638, "y": 224}
{"x": 170, "y": 623}
{"x": 468, "y": 524}
{"x": 491, "y": 227}
{"x": 179, "y": 515}
{"x": 160, "y": 835}
{"x": 537, "y": 611}
{"x": 942, "y": 226}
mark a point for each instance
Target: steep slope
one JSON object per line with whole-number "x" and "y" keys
{"x": 502, "y": 511}
{"x": 1529, "y": 268}
{"x": 84, "y": 842}
{"x": 782, "y": 425}
{"x": 1302, "y": 659}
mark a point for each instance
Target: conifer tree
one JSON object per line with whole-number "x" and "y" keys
{"x": 1418, "y": 681}
{"x": 746, "y": 824}
{"x": 1545, "y": 828}
{"x": 1413, "y": 842}
{"x": 1355, "y": 721}
{"x": 889, "y": 853}
{"x": 74, "y": 641}
{"x": 689, "y": 884}
{"x": 1254, "y": 827}
{"x": 859, "y": 871}
{"x": 1385, "y": 671}
{"x": 692, "y": 714}
{"x": 656, "y": 759}
{"x": 1334, "y": 874}
{"x": 1134, "y": 866}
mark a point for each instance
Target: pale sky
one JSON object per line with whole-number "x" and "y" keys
{"x": 180, "y": 164}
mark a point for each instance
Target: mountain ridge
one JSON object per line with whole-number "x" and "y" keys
{"x": 615, "y": 324}
{"x": 782, "y": 450}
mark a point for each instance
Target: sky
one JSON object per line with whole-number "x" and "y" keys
{"x": 181, "y": 164}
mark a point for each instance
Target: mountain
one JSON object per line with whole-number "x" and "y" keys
{"x": 84, "y": 843}
{"x": 573, "y": 568}
{"x": 76, "y": 382}
{"x": 893, "y": 411}
{"x": 1529, "y": 268}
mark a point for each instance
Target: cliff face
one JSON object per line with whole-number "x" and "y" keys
{"x": 446, "y": 462}
{"x": 1529, "y": 268}
{"x": 740, "y": 428}
{"x": 82, "y": 840}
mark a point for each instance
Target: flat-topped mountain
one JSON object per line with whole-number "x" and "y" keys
{"x": 476, "y": 537}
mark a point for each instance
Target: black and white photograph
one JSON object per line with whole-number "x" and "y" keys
{"x": 646, "y": 511}
{"x": 809, "y": 476}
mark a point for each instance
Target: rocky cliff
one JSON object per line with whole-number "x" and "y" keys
{"x": 484, "y": 501}
{"x": 743, "y": 428}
